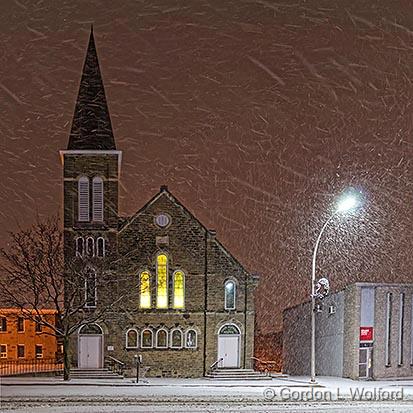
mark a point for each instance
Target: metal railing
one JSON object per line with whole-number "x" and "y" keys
{"x": 32, "y": 366}
{"x": 214, "y": 365}
{"x": 114, "y": 365}
{"x": 267, "y": 366}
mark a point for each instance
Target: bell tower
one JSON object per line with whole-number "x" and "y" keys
{"x": 91, "y": 168}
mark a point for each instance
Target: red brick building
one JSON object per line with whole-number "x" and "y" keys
{"x": 21, "y": 338}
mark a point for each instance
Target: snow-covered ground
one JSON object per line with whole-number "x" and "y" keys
{"x": 291, "y": 394}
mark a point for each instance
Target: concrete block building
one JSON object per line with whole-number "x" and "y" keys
{"x": 362, "y": 332}
{"x": 187, "y": 302}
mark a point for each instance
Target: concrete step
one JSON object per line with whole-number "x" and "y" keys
{"x": 236, "y": 374}
{"x": 98, "y": 374}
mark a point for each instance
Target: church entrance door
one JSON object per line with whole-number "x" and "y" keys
{"x": 229, "y": 346}
{"x": 90, "y": 347}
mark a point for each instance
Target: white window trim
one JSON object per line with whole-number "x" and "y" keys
{"x": 171, "y": 345}
{"x": 24, "y": 351}
{"x": 387, "y": 344}
{"x": 225, "y": 294}
{"x": 103, "y": 247}
{"x": 166, "y": 335}
{"x": 127, "y": 338}
{"x": 78, "y": 254}
{"x": 142, "y": 332}
{"x": 97, "y": 204}
{"x": 96, "y": 294}
{"x": 3, "y": 354}
{"x": 411, "y": 331}
{"x": 87, "y": 247}
{"x": 1, "y": 322}
{"x": 173, "y": 290}
{"x": 35, "y": 352}
{"x": 84, "y": 206}
{"x": 400, "y": 332}
{"x": 167, "y": 280}
{"x": 24, "y": 325}
{"x": 196, "y": 338}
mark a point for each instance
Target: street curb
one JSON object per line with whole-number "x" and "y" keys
{"x": 220, "y": 385}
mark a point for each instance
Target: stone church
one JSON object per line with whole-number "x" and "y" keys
{"x": 189, "y": 302}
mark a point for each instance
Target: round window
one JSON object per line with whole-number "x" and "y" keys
{"x": 162, "y": 220}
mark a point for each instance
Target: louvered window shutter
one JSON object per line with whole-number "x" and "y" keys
{"x": 83, "y": 199}
{"x": 97, "y": 199}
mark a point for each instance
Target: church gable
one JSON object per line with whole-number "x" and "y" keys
{"x": 163, "y": 226}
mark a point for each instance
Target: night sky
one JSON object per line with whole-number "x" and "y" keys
{"x": 256, "y": 114}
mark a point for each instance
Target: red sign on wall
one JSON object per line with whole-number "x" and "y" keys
{"x": 366, "y": 333}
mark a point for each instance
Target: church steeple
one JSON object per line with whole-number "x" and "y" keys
{"x": 91, "y": 127}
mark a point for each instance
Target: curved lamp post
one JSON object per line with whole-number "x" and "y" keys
{"x": 346, "y": 203}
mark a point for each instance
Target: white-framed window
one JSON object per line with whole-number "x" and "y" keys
{"x": 20, "y": 351}
{"x": 401, "y": 334}
{"x": 97, "y": 185}
{"x": 80, "y": 247}
{"x": 83, "y": 199}
{"x": 3, "y": 324}
{"x": 20, "y": 324}
{"x": 3, "y": 351}
{"x": 162, "y": 220}
{"x": 38, "y": 350}
{"x": 230, "y": 295}
{"x": 90, "y": 288}
{"x": 411, "y": 331}
{"x": 161, "y": 338}
{"x": 147, "y": 338}
{"x": 387, "y": 344}
{"x": 100, "y": 247}
{"x": 90, "y": 247}
{"x": 178, "y": 289}
{"x": 176, "y": 340}
{"x": 132, "y": 338}
{"x": 191, "y": 338}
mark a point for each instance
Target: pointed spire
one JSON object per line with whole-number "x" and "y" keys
{"x": 91, "y": 126}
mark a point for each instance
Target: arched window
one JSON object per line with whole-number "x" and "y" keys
{"x": 161, "y": 338}
{"x": 176, "y": 338}
{"x": 147, "y": 338}
{"x": 230, "y": 295}
{"x": 179, "y": 289}
{"x": 80, "y": 246}
{"x": 90, "y": 288}
{"x": 97, "y": 185}
{"x": 132, "y": 338}
{"x": 145, "y": 289}
{"x": 100, "y": 247}
{"x": 162, "y": 281}
{"x": 90, "y": 247}
{"x": 93, "y": 329}
{"x": 229, "y": 329}
{"x": 83, "y": 199}
{"x": 191, "y": 339}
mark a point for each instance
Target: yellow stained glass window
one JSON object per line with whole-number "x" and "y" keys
{"x": 179, "y": 289}
{"x": 145, "y": 301}
{"x": 162, "y": 281}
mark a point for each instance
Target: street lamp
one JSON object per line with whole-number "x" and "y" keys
{"x": 346, "y": 203}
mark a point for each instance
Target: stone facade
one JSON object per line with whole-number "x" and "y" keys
{"x": 339, "y": 342}
{"x": 132, "y": 245}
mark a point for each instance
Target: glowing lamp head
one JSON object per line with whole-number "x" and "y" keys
{"x": 348, "y": 202}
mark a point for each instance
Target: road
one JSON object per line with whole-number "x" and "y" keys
{"x": 212, "y": 407}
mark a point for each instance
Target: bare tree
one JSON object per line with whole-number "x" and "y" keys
{"x": 34, "y": 276}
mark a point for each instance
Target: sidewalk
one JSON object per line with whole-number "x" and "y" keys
{"x": 290, "y": 390}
